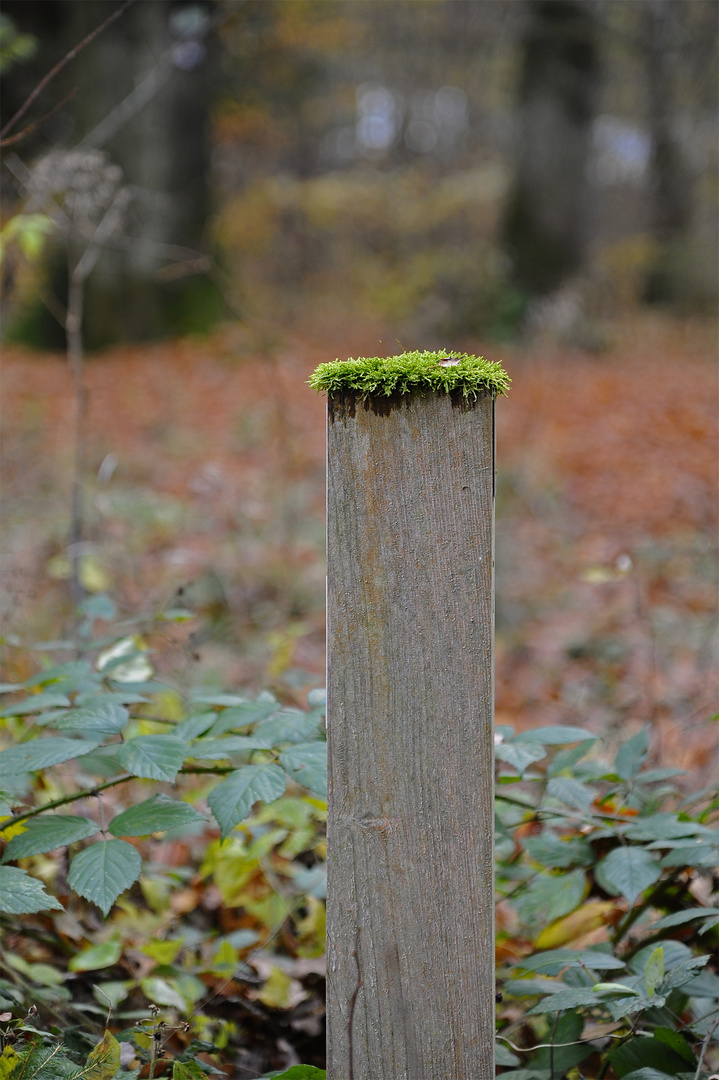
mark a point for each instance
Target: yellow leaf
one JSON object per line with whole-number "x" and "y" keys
{"x": 12, "y": 830}
{"x": 9, "y": 1062}
{"x": 104, "y": 1061}
{"x": 276, "y": 992}
{"x": 586, "y": 918}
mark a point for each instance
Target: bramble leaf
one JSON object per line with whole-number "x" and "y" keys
{"x": 153, "y": 757}
{"x": 43, "y": 753}
{"x": 627, "y": 871}
{"x": 307, "y": 764}
{"x": 104, "y": 870}
{"x": 157, "y": 814}
{"x": 232, "y": 800}
{"x": 47, "y": 832}
{"x": 21, "y": 894}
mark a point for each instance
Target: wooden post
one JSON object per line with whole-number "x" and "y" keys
{"x": 410, "y": 605}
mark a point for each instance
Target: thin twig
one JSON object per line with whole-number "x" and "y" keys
{"x": 36, "y": 123}
{"x": 705, "y": 1044}
{"x": 542, "y": 1046}
{"x": 61, "y": 64}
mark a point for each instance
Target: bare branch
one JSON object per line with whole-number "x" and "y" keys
{"x": 61, "y": 64}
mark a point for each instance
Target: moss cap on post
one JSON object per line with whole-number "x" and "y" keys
{"x": 411, "y": 372}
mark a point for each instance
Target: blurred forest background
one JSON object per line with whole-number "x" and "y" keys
{"x": 224, "y": 194}
{"x": 210, "y": 198}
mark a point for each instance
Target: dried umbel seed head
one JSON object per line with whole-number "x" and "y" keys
{"x": 85, "y": 183}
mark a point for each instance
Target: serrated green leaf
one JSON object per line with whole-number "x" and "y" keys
{"x": 35, "y": 703}
{"x": 96, "y": 957}
{"x": 570, "y": 792}
{"x": 625, "y": 1006}
{"x": 654, "y": 971}
{"x": 104, "y": 870}
{"x": 47, "y": 832}
{"x": 43, "y": 753}
{"x": 21, "y": 894}
{"x": 241, "y": 716}
{"x": 696, "y": 854}
{"x": 153, "y": 757}
{"x": 520, "y": 755}
{"x": 631, "y": 755}
{"x": 556, "y": 735}
{"x": 70, "y": 670}
{"x": 627, "y": 871}
{"x": 109, "y": 719}
{"x": 217, "y": 749}
{"x": 661, "y": 827}
{"x": 289, "y": 726}
{"x": 552, "y": 961}
{"x": 556, "y": 853}
{"x": 549, "y": 896}
{"x": 157, "y": 814}
{"x": 642, "y": 1053}
{"x": 566, "y": 999}
{"x": 232, "y": 800}
{"x": 504, "y": 1056}
{"x": 193, "y": 726}
{"x": 684, "y": 972}
{"x": 306, "y": 763}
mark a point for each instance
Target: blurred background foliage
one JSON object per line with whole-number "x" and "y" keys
{"x": 452, "y": 167}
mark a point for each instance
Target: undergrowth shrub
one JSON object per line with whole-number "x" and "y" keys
{"x": 162, "y": 881}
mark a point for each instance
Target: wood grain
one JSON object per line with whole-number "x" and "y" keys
{"x": 410, "y": 734}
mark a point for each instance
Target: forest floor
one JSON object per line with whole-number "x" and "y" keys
{"x": 204, "y": 478}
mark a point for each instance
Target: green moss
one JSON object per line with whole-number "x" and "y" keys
{"x": 411, "y": 372}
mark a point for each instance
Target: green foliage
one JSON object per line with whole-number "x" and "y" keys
{"x": 611, "y": 938}
{"x": 14, "y": 46}
{"x": 604, "y": 867}
{"x": 411, "y": 372}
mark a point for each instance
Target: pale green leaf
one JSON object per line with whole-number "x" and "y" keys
{"x": 555, "y": 735}
{"x": 631, "y": 755}
{"x": 35, "y": 703}
{"x": 654, "y": 971}
{"x": 43, "y": 753}
{"x": 162, "y": 992}
{"x": 307, "y": 764}
{"x": 104, "y": 870}
{"x": 288, "y": 726}
{"x": 627, "y": 871}
{"x": 232, "y": 800}
{"x": 153, "y": 757}
{"x": 47, "y": 832}
{"x": 107, "y": 719}
{"x": 157, "y": 814}
{"x": 549, "y": 896}
{"x": 21, "y": 894}
{"x": 520, "y": 755}
{"x": 96, "y": 957}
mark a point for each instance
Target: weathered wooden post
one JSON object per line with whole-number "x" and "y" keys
{"x": 410, "y": 709}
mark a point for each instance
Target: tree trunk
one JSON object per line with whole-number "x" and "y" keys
{"x": 545, "y": 229}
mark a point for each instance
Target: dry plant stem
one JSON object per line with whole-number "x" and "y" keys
{"x": 61, "y": 64}
{"x": 75, "y": 356}
{"x": 66, "y": 799}
{"x": 705, "y": 1045}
